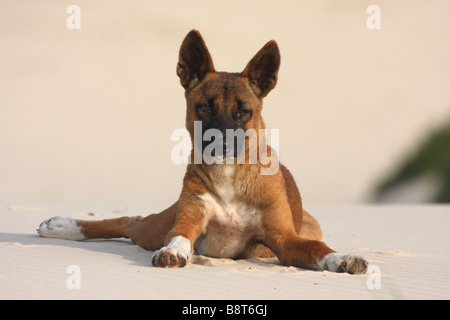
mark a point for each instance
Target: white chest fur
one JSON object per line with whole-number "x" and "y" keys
{"x": 228, "y": 227}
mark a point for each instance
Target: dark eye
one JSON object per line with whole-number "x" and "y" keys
{"x": 204, "y": 108}
{"x": 243, "y": 113}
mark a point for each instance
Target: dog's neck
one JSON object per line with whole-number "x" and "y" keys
{"x": 219, "y": 178}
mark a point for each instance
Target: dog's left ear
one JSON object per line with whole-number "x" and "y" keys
{"x": 194, "y": 60}
{"x": 262, "y": 70}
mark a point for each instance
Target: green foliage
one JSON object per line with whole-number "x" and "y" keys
{"x": 431, "y": 158}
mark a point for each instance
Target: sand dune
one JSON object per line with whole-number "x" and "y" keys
{"x": 407, "y": 247}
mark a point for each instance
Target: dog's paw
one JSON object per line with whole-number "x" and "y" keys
{"x": 176, "y": 254}
{"x": 169, "y": 258}
{"x": 62, "y": 228}
{"x": 338, "y": 262}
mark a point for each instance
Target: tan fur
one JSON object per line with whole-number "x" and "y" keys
{"x": 231, "y": 211}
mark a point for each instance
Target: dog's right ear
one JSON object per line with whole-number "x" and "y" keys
{"x": 262, "y": 70}
{"x": 194, "y": 60}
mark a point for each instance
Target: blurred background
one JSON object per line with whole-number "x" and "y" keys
{"x": 87, "y": 115}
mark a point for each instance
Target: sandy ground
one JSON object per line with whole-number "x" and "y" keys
{"x": 407, "y": 247}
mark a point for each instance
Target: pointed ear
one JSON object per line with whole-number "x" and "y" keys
{"x": 262, "y": 70}
{"x": 194, "y": 60}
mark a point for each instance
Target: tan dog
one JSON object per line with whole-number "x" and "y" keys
{"x": 227, "y": 210}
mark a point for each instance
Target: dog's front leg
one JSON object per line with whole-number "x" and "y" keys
{"x": 179, "y": 243}
{"x": 293, "y": 250}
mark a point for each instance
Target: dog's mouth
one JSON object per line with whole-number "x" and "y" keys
{"x": 221, "y": 151}
{"x": 214, "y": 145}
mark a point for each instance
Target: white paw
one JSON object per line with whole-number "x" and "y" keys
{"x": 169, "y": 257}
{"x": 62, "y": 228}
{"x": 176, "y": 254}
{"x": 338, "y": 262}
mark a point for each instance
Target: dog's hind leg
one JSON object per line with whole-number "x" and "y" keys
{"x": 149, "y": 232}
{"x": 73, "y": 229}
{"x": 310, "y": 228}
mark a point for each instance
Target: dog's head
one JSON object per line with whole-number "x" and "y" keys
{"x": 224, "y": 101}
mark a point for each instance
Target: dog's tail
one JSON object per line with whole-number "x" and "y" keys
{"x": 149, "y": 232}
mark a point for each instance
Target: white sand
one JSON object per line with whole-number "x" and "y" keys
{"x": 409, "y": 244}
